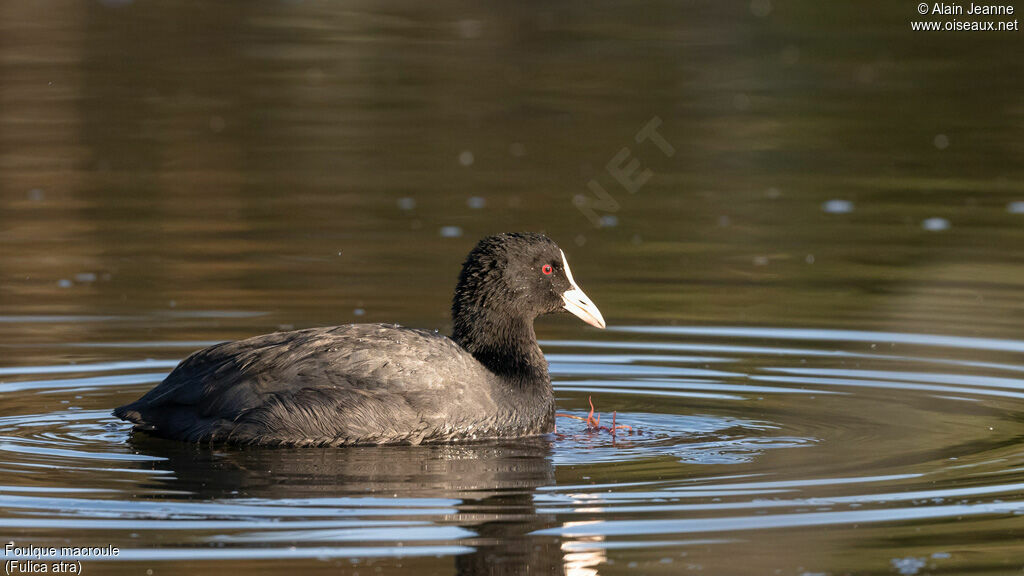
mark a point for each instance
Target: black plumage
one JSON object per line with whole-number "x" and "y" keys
{"x": 380, "y": 383}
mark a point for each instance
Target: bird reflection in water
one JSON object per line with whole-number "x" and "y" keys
{"x": 486, "y": 489}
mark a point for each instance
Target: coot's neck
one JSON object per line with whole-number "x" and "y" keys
{"x": 506, "y": 345}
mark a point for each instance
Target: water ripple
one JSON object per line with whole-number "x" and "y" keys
{"x": 728, "y": 439}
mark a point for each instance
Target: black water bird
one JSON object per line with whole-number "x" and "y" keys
{"x": 382, "y": 383}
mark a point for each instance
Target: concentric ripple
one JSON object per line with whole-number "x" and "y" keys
{"x": 789, "y": 446}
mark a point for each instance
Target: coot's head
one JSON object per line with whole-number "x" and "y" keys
{"x": 517, "y": 277}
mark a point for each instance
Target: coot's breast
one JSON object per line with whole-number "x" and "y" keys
{"x": 354, "y": 384}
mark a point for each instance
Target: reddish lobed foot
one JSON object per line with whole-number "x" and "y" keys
{"x": 594, "y": 423}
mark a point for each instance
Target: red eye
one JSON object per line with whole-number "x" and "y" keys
{"x": 546, "y": 269}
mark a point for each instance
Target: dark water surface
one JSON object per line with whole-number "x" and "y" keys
{"x": 815, "y": 303}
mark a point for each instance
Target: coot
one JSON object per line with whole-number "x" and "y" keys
{"x": 382, "y": 383}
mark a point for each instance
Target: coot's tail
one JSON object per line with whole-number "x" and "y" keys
{"x": 172, "y": 421}
{"x": 130, "y": 413}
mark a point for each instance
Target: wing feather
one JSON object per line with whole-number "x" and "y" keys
{"x": 340, "y": 385}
